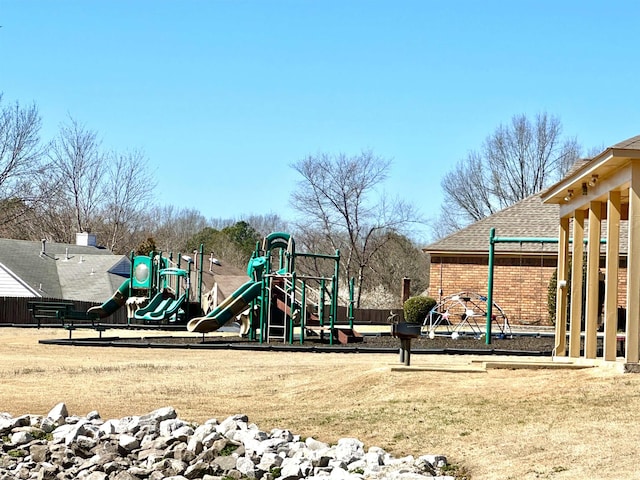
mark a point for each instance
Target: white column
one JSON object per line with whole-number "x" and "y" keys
{"x": 593, "y": 280}
{"x": 576, "y": 284}
{"x": 612, "y": 260}
{"x": 633, "y": 267}
{"x": 561, "y": 289}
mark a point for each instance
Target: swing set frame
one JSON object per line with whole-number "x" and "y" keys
{"x": 493, "y": 240}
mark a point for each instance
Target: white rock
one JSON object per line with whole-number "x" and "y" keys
{"x": 182, "y": 433}
{"x": 93, "y": 415}
{"x": 246, "y": 466}
{"x": 20, "y": 438}
{"x": 60, "y": 433}
{"x": 349, "y": 450}
{"x": 269, "y": 461}
{"x": 374, "y": 457}
{"x": 339, "y": 473}
{"x": 227, "y": 426}
{"x": 108, "y": 428}
{"x": 314, "y": 444}
{"x": 58, "y": 413}
{"x": 202, "y": 431}
{"x": 290, "y": 468}
{"x": 46, "y": 425}
{"x": 128, "y": 442}
{"x": 96, "y": 476}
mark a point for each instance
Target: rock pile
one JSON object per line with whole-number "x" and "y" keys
{"x": 161, "y": 446}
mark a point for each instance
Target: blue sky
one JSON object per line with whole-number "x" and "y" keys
{"x": 223, "y": 96}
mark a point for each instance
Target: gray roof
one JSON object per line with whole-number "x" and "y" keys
{"x": 87, "y": 277}
{"x": 59, "y": 271}
{"x": 527, "y": 218}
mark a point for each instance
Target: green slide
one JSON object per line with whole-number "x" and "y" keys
{"x": 232, "y": 306}
{"x": 118, "y": 299}
{"x": 160, "y": 308}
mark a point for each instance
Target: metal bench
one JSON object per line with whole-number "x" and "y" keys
{"x": 49, "y": 312}
{"x": 63, "y": 314}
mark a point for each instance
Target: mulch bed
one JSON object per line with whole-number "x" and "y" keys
{"x": 521, "y": 343}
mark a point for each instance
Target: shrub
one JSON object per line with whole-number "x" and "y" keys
{"x": 417, "y": 308}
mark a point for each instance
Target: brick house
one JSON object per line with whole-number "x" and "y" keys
{"x": 459, "y": 262}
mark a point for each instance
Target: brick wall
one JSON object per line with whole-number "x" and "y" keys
{"x": 520, "y": 285}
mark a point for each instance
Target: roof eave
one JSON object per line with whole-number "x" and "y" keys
{"x": 600, "y": 165}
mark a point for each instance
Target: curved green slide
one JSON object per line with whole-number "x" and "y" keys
{"x": 233, "y": 305}
{"x": 117, "y": 300}
{"x": 160, "y": 308}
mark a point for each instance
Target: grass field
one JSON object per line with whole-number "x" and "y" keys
{"x": 498, "y": 424}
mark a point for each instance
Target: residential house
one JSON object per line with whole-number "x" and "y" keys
{"x": 80, "y": 271}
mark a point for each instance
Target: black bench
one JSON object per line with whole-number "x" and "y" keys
{"x": 49, "y": 312}
{"x": 72, "y": 315}
{"x": 62, "y": 313}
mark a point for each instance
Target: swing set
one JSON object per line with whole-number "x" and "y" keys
{"x": 493, "y": 240}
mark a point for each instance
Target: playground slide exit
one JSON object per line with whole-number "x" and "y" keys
{"x": 117, "y": 300}
{"x": 160, "y": 308}
{"x": 232, "y": 306}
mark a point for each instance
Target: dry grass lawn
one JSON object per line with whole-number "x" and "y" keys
{"x": 501, "y": 424}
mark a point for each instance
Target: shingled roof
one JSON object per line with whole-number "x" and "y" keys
{"x": 527, "y": 218}
{"x": 632, "y": 143}
{"x": 69, "y": 271}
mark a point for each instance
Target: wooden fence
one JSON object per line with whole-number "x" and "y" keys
{"x": 15, "y": 310}
{"x": 365, "y": 316}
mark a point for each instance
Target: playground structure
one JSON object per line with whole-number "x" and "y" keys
{"x": 158, "y": 290}
{"x": 277, "y": 299}
{"x": 458, "y": 315}
{"x": 276, "y": 303}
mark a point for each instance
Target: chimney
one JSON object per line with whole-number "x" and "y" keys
{"x": 86, "y": 239}
{"x": 43, "y": 251}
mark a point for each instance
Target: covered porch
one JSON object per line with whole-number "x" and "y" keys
{"x": 594, "y": 201}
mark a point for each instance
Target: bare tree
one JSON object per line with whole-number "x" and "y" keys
{"x": 516, "y": 161}
{"x": 128, "y": 191}
{"x": 400, "y": 258}
{"x": 342, "y": 207}
{"x": 265, "y": 224}
{"x": 172, "y": 227}
{"x": 20, "y": 160}
{"x": 79, "y": 166}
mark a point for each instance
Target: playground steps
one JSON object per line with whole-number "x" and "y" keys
{"x": 276, "y": 333}
{"x": 348, "y": 335}
{"x": 342, "y": 335}
{"x": 277, "y": 327}
{"x": 277, "y": 323}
